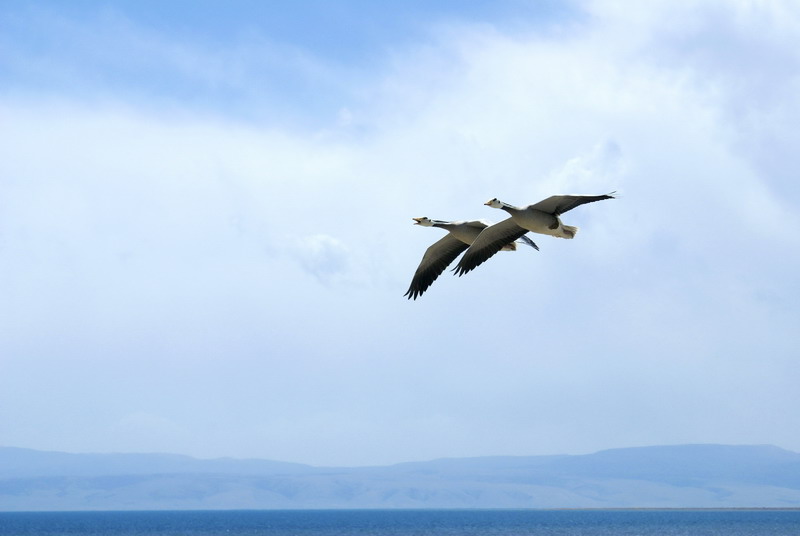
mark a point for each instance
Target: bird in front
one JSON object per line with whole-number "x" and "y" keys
{"x": 542, "y": 217}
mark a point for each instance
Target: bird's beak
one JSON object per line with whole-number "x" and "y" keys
{"x": 417, "y": 220}
{"x": 488, "y": 203}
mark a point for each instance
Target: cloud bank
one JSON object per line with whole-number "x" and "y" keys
{"x": 237, "y": 276}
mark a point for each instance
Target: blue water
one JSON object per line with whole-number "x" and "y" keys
{"x": 406, "y": 523}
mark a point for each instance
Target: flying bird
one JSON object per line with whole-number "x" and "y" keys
{"x": 542, "y": 217}
{"x": 444, "y": 251}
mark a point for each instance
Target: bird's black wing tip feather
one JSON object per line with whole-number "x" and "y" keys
{"x": 479, "y": 258}
{"x": 460, "y": 270}
{"x": 415, "y": 290}
{"x": 412, "y": 295}
{"x": 468, "y": 267}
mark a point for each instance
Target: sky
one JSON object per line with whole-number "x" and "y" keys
{"x": 206, "y": 234}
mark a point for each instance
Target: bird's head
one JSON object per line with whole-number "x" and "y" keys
{"x": 425, "y": 222}
{"x": 494, "y": 203}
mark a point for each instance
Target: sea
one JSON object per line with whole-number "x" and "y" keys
{"x": 405, "y": 523}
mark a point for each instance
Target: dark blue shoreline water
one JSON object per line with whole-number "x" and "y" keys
{"x": 405, "y": 523}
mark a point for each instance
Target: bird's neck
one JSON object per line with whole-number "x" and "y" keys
{"x": 508, "y": 208}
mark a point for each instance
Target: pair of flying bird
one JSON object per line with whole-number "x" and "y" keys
{"x": 481, "y": 240}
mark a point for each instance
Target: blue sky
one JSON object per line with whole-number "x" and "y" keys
{"x": 257, "y": 61}
{"x": 205, "y": 227}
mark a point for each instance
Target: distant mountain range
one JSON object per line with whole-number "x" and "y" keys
{"x": 686, "y": 476}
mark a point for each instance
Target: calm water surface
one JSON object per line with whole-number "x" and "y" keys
{"x": 407, "y": 523}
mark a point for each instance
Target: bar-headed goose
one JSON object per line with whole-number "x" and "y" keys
{"x": 444, "y": 251}
{"x": 542, "y": 217}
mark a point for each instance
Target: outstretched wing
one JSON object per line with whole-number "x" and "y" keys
{"x": 559, "y": 204}
{"x": 437, "y": 257}
{"x": 490, "y": 241}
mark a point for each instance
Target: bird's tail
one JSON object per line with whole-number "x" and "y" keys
{"x": 569, "y": 231}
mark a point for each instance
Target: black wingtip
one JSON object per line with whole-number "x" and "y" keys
{"x": 414, "y": 293}
{"x": 461, "y": 270}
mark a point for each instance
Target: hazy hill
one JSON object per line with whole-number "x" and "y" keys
{"x": 25, "y": 463}
{"x": 673, "y": 476}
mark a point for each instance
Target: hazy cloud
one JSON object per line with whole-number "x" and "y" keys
{"x": 322, "y": 256}
{"x": 248, "y": 275}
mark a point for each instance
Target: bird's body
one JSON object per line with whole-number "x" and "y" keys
{"x": 542, "y": 217}
{"x": 444, "y": 251}
{"x": 539, "y": 221}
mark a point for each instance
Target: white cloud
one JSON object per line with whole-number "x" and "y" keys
{"x": 279, "y": 257}
{"x": 602, "y": 163}
{"x": 322, "y": 256}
